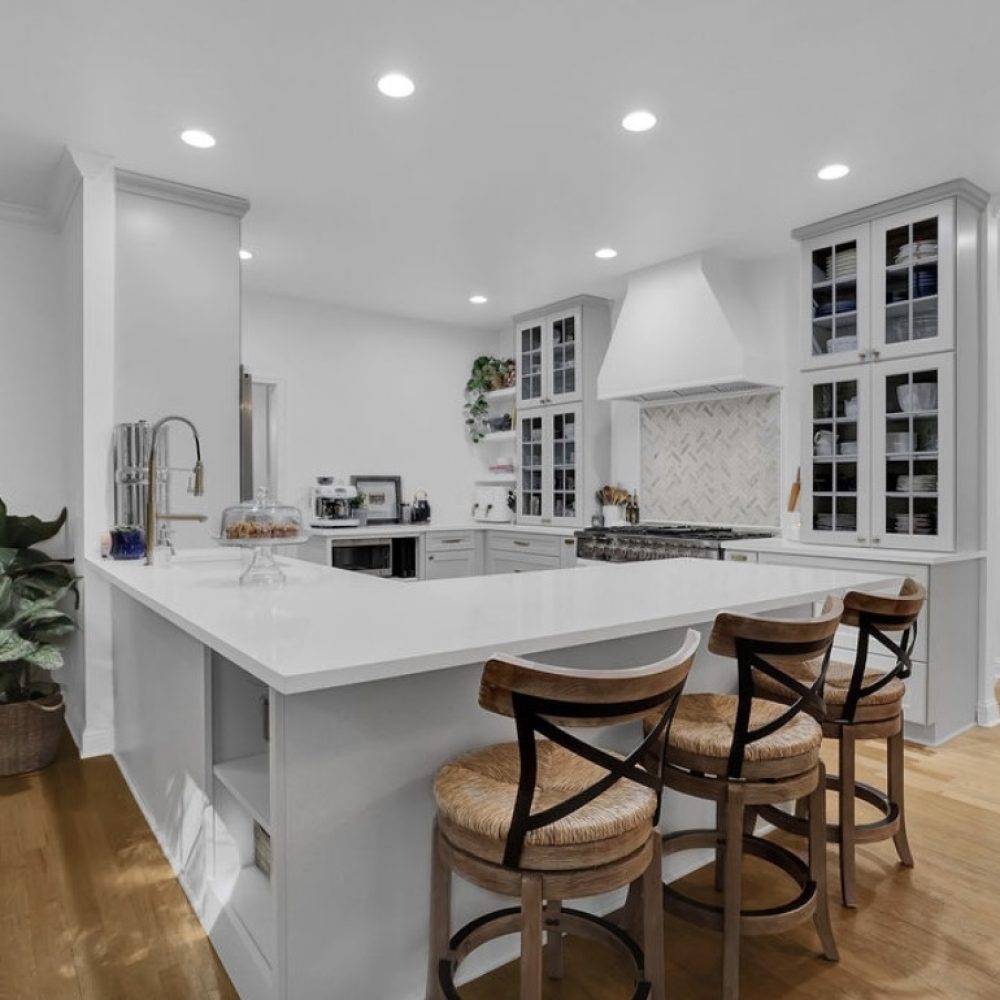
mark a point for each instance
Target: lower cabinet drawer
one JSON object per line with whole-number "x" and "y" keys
{"x": 449, "y": 541}
{"x": 504, "y": 562}
{"x": 526, "y": 544}
{"x": 450, "y": 564}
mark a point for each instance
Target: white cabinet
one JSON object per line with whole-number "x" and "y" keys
{"x": 913, "y": 281}
{"x": 450, "y": 554}
{"x": 548, "y": 484}
{"x": 562, "y": 431}
{"x": 515, "y": 552}
{"x": 879, "y": 454}
{"x": 549, "y": 358}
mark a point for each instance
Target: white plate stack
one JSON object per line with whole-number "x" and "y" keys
{"x": 916, "y": 252}
{"x": 918, "y": 524}
{"x": 842, "y": 265}
{"x": 926, "y": 483}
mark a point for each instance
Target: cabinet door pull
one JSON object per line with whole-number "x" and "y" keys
{"x": 875, "y": 354}
{"x": 862, "y": 539}
{"x": 451, "y": 541}
{"x": 862, "y": 355}
{"x": 876, "y": 540}
{"x": 523, "y": 544}
{"x": 430, "y": 557}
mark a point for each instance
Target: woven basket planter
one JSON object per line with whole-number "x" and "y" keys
{"x": 30, "y": 732}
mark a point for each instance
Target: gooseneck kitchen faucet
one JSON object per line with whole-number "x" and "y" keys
{"x": 198, "y": 488}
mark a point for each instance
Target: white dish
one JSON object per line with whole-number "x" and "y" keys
{"x": 920, "y": 396}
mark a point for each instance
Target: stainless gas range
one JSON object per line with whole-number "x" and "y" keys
{"x": 635, "y": 542}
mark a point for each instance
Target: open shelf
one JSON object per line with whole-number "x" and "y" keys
{"x": 498, "y": 436}
{"x": 500, "y": 395}
{"x": 249, "y": 779}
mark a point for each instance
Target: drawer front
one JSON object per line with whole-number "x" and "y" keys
{"x": 509, "y": 562}
{"x": 526, "y": 544}
{"x": 847, "y": 637}
{"x": 731, "y": 556}
{"x": 450, "y": 541}
{"x": 450, "y": 564}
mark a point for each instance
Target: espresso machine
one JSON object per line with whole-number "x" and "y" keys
{"x": 331, "y": 504}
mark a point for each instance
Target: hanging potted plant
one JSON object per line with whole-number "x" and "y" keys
{"x": 33, "y": 586}
{"x": 488, "y": 375}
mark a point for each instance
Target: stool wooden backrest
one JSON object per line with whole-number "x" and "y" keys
{"x": 542, "y": 699}
{"x": 875, "y": 615}
{"x": 765, "y": 645}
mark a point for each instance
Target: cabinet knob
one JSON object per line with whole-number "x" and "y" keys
{"x": 430, "y": 557}
{"x": 876, "y": 540}
{"x": 862, "y": 539}
{"x": 875, "y": 354}
{"x": 862, "y": 355}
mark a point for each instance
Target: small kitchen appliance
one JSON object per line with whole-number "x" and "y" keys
{"x": 492, "y": 504}
{"x": 331, "y": 504}
{"x": 635, "y": 543}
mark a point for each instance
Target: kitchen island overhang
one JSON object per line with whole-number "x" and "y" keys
{"x": 368, "y": 686}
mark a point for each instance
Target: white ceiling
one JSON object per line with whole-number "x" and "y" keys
{"x": 508, "y": 167}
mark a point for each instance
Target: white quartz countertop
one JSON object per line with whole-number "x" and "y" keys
{"x": 327, "y": 627}
{"x": 422, "y": 528}
{"x": 796, "y": 548}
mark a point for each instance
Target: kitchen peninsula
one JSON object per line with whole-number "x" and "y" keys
{"x": 301, "y": 726}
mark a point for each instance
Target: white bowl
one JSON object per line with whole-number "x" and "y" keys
{"x": 922, "y": 396}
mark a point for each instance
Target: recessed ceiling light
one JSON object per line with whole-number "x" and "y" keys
{"x": 478, "y": 300}
{"x": 396, "y": 85}
{"x": 833, "y": 172}
{"x": 605, "y": 253}
{"x": 246, "y": 254}
{"x": 197, "y": 138}
{"x": 638, "y": 121}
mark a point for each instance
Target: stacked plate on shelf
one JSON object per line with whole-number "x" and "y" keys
{"x": 914, "y": 253}
{"x": 843, "y": 265}
{"x": 918, "y": 524}
{"x": 845, "y": 522}
{"x": 926, "y": 483}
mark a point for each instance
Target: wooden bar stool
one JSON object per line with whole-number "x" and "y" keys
{"x": 555, "y": 818}
{"x": 742, "y": 753}
{"x": 864, "y": 704}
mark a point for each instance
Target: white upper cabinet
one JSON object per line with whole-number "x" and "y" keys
{"x": 913, "y": 281}
{"x": 549, "y": 359}
{"x": 836, "y": 292}
{"x": 549, "y": 460}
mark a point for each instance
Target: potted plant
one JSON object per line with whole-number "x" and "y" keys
{"x": 33, "y": 585}
{"x": 488, "y": 375}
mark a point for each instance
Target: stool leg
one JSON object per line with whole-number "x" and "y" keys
{"x": 440, "y": 922}
{"x": 720, "y": 849}
{"x": 732, "y": 889}
{"x": 652, "y": 921}
{"x": 553, "y": 939}
{"x": 817, "y": 866}
{"x": 846, "y": 807}
{"x": 531, "y": 937}
{"x": 895, "y": 762}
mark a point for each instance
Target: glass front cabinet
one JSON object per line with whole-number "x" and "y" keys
{"x": 548, "y": 359}
{"x": 879, "y": 441}
{"x": 548, "y": 468}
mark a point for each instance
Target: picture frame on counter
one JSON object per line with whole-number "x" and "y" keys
{"x": 382, "y": 494}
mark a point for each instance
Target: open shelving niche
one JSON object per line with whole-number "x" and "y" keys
{"x": 242, "y": 797}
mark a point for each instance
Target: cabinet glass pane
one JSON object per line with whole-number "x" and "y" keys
{"x": 911, "y": 281}
{"x": 835, "y": 456}
{"x": 835, "y": 299}
{"x": 564, "y": 465}
{"x": 564, "y": 356}
{"x": 911, "y": 453}
{"x": 529, "y": 502}
{"x": 530, "y": 362}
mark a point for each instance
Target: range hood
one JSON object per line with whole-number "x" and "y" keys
{"x": 685, "y": 328}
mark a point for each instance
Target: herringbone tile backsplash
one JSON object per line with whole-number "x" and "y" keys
{"x": 713, "y": 462}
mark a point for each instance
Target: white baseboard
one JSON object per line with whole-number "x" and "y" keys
{"x": 75, "y": 727}
{"x": 96, "y": 742}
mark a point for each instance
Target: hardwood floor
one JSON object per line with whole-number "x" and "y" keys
{"x": 89, "y": 909}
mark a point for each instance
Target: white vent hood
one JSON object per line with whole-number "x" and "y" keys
{"x": 685, "y": 328}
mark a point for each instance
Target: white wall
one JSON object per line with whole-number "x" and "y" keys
{"x": 34, "y": 374}
{"x": 362, "y": 393}
{"x": 177, "y": 349}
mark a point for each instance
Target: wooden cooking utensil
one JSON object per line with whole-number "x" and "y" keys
{"x": 793, "y": 493}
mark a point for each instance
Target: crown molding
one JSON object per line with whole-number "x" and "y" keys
{"x": 24, "y": 215}
{"x": 181, "y": 194}
{"x": 959, "y": 188}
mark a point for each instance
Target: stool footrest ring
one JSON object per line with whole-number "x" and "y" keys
{"x": 508, "y": 921}
{"x": 761, "y": 920}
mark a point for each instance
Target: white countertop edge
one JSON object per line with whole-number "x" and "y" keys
{"x": 414, "y": 530}
{"x": 793, "y": 547}
{"x": 365, "y": 671}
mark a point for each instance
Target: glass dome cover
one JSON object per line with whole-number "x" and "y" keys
{"x": 261, "y": 521}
